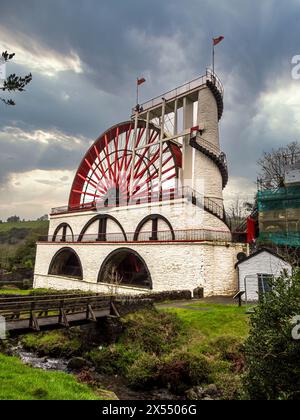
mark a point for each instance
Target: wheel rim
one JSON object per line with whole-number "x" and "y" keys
{"x": 106, "y": 169}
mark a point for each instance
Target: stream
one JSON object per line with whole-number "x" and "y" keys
{"x": 114, "y": 384}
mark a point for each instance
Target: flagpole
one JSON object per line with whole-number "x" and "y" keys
{"x": 213, "y": 57}
{"x": 137, "y": 91}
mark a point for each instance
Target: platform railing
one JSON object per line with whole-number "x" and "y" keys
{"x": 185, "y": 88}
{"x": 183, "y": 235}
{"x": 150, "y": 198}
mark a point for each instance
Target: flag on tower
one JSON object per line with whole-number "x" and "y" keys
{"x": 141, "y": 81}
{"x": 217, "y": 41}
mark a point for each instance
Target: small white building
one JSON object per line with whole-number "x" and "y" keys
{"x": 255, "y": 271}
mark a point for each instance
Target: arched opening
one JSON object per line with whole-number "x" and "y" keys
{"x": 97, "y": 230}
{"x": 63, "y": 233}
{"x": 154, "y": 227}
{"x": 125, "y": 267}
{"x": 66, "y": 263}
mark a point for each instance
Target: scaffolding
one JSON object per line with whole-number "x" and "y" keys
{"x": 279, "y": 215}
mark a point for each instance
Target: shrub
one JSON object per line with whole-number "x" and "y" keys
{"x": 182, "y": 370}
{"x": 115, "y": 359}
{"x": 152, "y": 331}
{"x": 229, "y": 385}
{"x": 272, "y": 356}
{"x": 143, "y": 373}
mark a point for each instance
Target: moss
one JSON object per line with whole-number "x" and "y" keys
{"x": 60, "y": 343}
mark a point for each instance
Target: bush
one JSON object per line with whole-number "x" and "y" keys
{"x": 182, "y": 370}
{"x": 143, "y": 374}
{"x": 115, "y": 359}
{"x": 152, "y": 331}
{"x": 272, "y": 356}
{"x": 230, "y": 386}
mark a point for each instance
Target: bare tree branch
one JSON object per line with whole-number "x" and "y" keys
{"x": 272, "y": 165}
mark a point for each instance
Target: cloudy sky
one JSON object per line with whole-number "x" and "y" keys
{"x": 86, "y": 55}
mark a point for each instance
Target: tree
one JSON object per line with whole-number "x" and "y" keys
{"x": 272, "y": 353}
{"x": 13, "y": 219}
{"x": 238, "y": 211}
{"x": 43, "y": 218}
{"x": 272, "y": 165}
{"x": 13, "y": 83}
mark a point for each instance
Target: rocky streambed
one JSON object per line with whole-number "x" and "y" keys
{"x": 110, "y": 386}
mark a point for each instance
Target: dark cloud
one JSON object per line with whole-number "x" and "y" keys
{"x": 168, "y": 42}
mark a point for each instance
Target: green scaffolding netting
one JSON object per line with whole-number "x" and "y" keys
{"x": 279, "y": 216}
{"x": 289, "y": 238}
{"x": 283, "y": 198}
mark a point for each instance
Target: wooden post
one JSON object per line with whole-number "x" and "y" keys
{"x": 90, "y": 315}
{"x": 33, "y": 321}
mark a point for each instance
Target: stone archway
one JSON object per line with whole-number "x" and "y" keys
{"x": 125, "y": 267}
{"x": 66, "y": 263}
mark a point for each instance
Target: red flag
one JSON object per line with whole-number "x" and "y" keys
{"x": 250, "y": 230}
{"x": 217, "y": 41}
{"x": 141, "y": 81}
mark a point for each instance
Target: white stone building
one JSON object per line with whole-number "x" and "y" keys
{"x": 255, "y": 271}
{"x": 146, "y": 205}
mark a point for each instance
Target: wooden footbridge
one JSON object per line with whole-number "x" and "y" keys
{"x": 54, "y": 311}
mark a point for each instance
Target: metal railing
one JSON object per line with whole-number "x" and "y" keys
{"x": 185, "y": 88}
{"x": 184, "y": 235}
{"x": 152, "y": 197}
{"x": 213, "y": 149}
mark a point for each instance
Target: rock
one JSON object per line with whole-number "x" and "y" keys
{"x": 212, "y": 391}
{"x": 195, "y": 393}
{"x": 78, "y": 363}
{"x": 107, "y": 395}
{"x": 198, "y": 293}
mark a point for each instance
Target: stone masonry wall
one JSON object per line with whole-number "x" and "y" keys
{"x": 173, "y": 266}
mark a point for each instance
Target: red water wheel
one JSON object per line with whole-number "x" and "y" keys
{"x": 106, "y": 169}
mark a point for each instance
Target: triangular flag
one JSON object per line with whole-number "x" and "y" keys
{"x": 217, "y": 41}
{"x": 141, "y": 81}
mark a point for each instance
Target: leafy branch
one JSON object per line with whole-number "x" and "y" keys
{"x": 13, "y": 83}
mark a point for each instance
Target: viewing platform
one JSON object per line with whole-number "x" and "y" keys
{"x": 174, "y": 98}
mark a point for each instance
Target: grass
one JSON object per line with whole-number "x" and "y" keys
{"x": 213, "y": 321}
{"x": 16, "y": 292}
{"x": 28, "y": 292}
{"x": 21, "y": 382}
{"x": 217, "y": 332}
{"x": 42, "y": 292}
{"x": 35, "y": 225}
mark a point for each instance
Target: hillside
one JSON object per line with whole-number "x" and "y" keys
{"x": 17, "y": 243}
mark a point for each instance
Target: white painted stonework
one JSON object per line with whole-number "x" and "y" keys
{"x": 263, "y": 263}
{"x": 173, "y": 266}
{"x": 180, "y": 213}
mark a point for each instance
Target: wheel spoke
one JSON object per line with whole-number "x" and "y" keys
{"x": 110, "y": 162}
